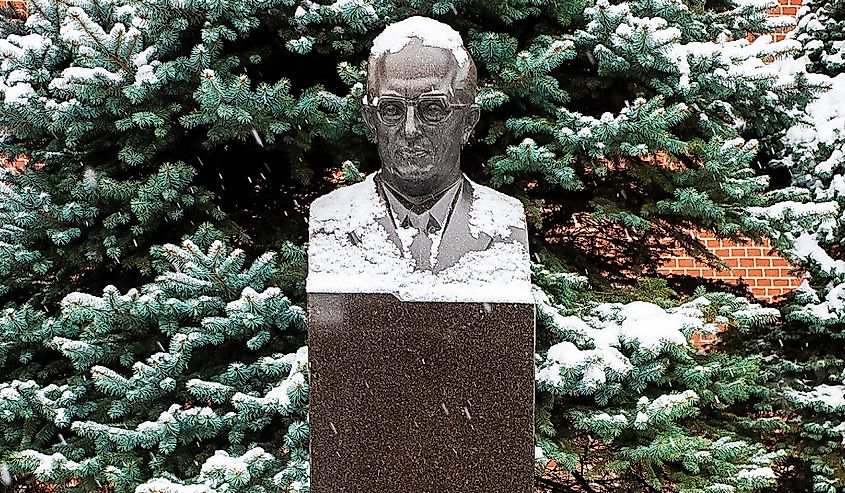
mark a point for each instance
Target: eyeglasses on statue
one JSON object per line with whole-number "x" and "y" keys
{"x": 430, "y": 108}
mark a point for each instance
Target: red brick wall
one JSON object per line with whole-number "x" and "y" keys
{"x": 20, "y": 6}
{"x": 786, "y": 7}
{"x": 13, "y": 163}
{"x": 767, "y": 274}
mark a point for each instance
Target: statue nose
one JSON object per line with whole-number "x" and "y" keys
{"x": 411, "y": 128}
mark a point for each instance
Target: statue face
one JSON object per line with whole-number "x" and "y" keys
{"x": 418, "y": 123}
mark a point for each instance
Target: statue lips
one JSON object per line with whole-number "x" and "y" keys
{"x": 413, "y": 163}
{"x": 412, "y": 152}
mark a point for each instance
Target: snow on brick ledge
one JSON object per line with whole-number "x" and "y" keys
{"x": 351, "y": 252}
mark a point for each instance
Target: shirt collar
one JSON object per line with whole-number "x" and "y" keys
{"x": 438, "y": 213}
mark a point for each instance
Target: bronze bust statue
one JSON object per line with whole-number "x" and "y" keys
{"x": 419, "y": 228}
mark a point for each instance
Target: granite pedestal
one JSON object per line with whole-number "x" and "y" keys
{"x": 420, "y": 397}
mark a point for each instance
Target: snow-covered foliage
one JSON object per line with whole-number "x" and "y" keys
{"x": 192, "y": 320}
{"x": 181, "y": 369}
{"x": 623, "y": 383}
{"x": 808, "y": 226}
{"x": 220, "y": 472}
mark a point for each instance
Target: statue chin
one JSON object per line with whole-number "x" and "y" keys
{"x": 412, "y": 172}
{"x": 419, "y": 176}
{"x": 416, "y": 172}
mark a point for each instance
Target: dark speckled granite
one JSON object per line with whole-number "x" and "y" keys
{"x": 412, "y": 397}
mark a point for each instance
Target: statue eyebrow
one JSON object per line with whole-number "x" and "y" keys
{"x": 432, "y": 92}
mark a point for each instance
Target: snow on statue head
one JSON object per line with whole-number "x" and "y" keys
{"x": 432, "y": 34}
{"x": 419, "y": 228}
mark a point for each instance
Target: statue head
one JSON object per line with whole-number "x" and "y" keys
{"x": 420, "y": 105}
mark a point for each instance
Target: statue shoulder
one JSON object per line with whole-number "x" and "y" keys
{"x": 492, "y": 196}
{"x": 347, "y": 207}
{"x": 495, "y": 213}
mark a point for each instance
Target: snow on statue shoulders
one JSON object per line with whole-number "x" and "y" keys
{"x": 480, "y": 255}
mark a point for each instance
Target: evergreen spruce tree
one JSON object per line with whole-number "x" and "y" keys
{"x": 806, "y": 354}
{"x": 151, "y": 252}
{"x": 626, "y": 404}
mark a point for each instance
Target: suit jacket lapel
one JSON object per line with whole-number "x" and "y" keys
{"x": 457, "y": 239}
{"x": 386, "y": 218}
{"x": 386, "y": 222}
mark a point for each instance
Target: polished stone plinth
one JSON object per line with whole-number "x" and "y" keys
{"x": 420, "y": 397}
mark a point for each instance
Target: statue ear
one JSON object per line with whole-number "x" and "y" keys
{"x": 471, "y": 117}
{"x": 368, "y": 113}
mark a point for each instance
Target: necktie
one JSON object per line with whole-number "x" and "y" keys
{"x": 421, "y": 244}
